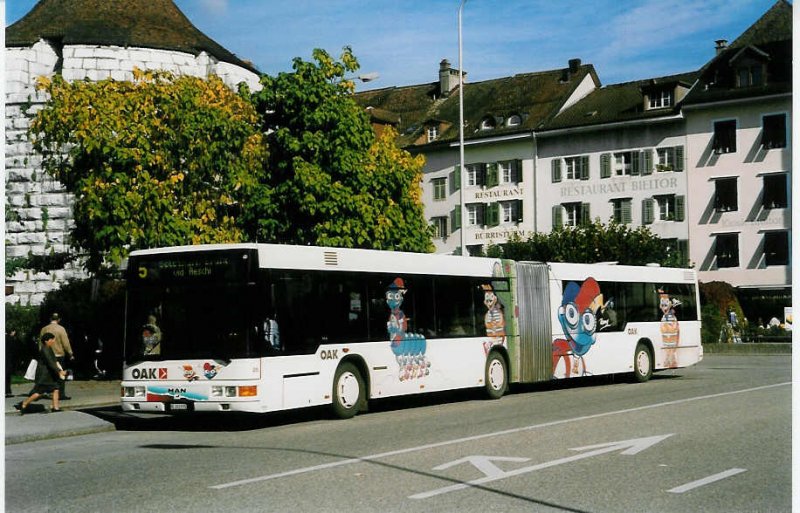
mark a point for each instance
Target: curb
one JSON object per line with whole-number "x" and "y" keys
{"x": 30, "y": 428}
{"x": 749, "y": 349}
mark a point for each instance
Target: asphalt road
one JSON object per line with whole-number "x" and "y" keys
{"x": 716, "y": 437}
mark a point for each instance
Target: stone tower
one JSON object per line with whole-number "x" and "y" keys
{"x": 82, "y": 39}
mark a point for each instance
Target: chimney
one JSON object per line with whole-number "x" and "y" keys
{"x": 448, "y": 78}
{"x": 574, "y": 64}
{"x": 722, "y": 44}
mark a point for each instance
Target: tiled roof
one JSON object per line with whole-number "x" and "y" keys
{"x": 619, "y": 102}
{"x": 769, "y": 40}
{"x": 139, "y": 23}
{"x": 534, "y": 97}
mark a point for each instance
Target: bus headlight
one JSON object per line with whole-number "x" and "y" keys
{"x": 133, "y": 391}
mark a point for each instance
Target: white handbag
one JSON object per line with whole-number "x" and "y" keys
{"x": 30, "y": 374}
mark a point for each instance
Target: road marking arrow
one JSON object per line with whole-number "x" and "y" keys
{"x": 483, "y": 463}
{"x": 628, "y": 447}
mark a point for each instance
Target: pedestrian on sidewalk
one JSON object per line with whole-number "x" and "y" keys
{"x": 11, "y": 358}
{"x": 48, "y": 376}
{"x": 62, "y": 348}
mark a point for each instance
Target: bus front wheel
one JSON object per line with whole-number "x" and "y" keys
{"x": 348, "y": 391}
{"x": 496, "y": 375}
{"x": 642, "y": 363}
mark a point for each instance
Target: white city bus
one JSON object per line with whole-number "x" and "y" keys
{"x": 262, "y": 328}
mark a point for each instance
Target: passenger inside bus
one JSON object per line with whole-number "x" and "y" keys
{"x": 151, "y": 338}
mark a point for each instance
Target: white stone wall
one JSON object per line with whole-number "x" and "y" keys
{"x": 39, "y": 214}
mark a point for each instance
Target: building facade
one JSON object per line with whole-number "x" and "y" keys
{"x": 702, "y": 158}
{"x": 82, "y": 39}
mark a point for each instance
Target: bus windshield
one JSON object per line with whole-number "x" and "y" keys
{"x": 191, "y": 307}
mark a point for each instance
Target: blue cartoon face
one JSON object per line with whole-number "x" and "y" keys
{"x": 579, "y": 327}
{"x": 394, "y": 298}
{"x": 578, "y": 314}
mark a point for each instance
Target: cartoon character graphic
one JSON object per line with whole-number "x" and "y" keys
{"x": 189, "y": 373}
{"x": 578, "y": 313}
{"x": 210, "y": 370}
{"x": 408, "y": 348}
{"x": 494, "y": 320}
{"x": 670, "y": 330}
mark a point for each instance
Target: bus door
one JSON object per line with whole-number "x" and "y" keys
{"x": 536, "y": 349}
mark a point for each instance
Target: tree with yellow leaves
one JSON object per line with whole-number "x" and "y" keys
{"x": 157, "y": 161}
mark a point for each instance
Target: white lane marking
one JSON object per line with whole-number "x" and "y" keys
{"x": 512, "y": 431}
{"x": 707, "y": 480}
{"x": 631, "y": 447}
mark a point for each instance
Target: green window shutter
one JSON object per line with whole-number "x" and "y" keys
{"x": 680, "y": 208}
{"x": 605, "y": 165}
{"x": 584, "y": 171}
{"x": 556, "y": 170}
{"x": 648, "y": 162}
{"x": 455, "y": 218}
{"x": 480, "y": 174}
{"x": 516, "y": 171}
{"x": 627, "y": 217}
{"x": 558, "y": 221}
{"x": 493, "y": 214}
{"x": 517, "y": 211}
{"x": 679, "y": 158}
{"x": 455, "y": 180}
{"x": 647, "y": 211}
{"x": 480, "y": 214}
{"x": 492, "y": 175}
{"x": 586, "y": 216}
{"x": 636, "y": 163}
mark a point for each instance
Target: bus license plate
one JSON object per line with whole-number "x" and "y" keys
{"x": 179, "y": 407}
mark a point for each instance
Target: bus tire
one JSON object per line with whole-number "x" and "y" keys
{"x": 496, "y": 376}
{"x": 348, "y": 391}
{"x": 642, "y": 363}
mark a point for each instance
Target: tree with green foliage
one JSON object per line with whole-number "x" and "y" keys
{"x": 330, "y": 181}
{"x": 157, "y": 161}
{"x": 593, "y": 242}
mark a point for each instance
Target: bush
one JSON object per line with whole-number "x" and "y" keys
{"x": 712, "y": 323}
{"x": 24, "y": 320}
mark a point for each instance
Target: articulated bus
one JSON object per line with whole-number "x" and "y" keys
{"x": 263, "y": 328}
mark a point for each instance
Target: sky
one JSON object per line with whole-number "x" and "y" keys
{"x": 404, "y": 40}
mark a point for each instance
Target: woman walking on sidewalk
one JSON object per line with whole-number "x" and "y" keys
{"x": 48, "y": 376}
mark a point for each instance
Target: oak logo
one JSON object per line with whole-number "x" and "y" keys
{"x": 149, "y": 373}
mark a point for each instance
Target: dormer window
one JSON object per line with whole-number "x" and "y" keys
{"x": 514, "y": 120}
{"x": 433, "y": 132}
{"x": 661, "y": 99}
{"x": 748, "y": 76}
{"x": 488, "y": 123}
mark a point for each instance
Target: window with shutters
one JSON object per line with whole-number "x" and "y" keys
{"x": 575, "y": 214}
{"x": 776, "y": 248}
{"x": 510, "y": 171}
{"x": 555, "y": 170}
{"x": 439, "y": 189}
{"x": 476, "y": 214}
{"x": 669, "y": 159}
{"x": 622, "y": 210}
{"x": 773, "y": 134}
{"x": 725, "y": 195}
{"x": 439, "y": 227}
{"x": 476, "y": 174}
{"x": 726, "y": 249}
{"x": 511, "y": 211}
{"x": 576, "y": 168}
{"x": 627, "y": 163}
{"x": 605, "y": 165}
{"x": 725, "y": 136}
{"x": 669, "y": 207}
{"x": 775, "y": 191}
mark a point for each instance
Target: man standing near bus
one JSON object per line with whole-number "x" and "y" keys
{"x": 61, "y": 348}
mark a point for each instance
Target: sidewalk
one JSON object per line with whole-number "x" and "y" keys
{"x": 40, "y": 424}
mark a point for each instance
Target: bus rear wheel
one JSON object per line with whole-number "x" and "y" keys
{"x": 348, "y": 391}
{"x": 642, "y": 363}
{"x": 496, "y": 375}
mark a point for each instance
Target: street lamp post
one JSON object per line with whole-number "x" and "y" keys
{"x": 463, "y": 171}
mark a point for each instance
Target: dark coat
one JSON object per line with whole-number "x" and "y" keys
{"x": 47, "y": 370}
